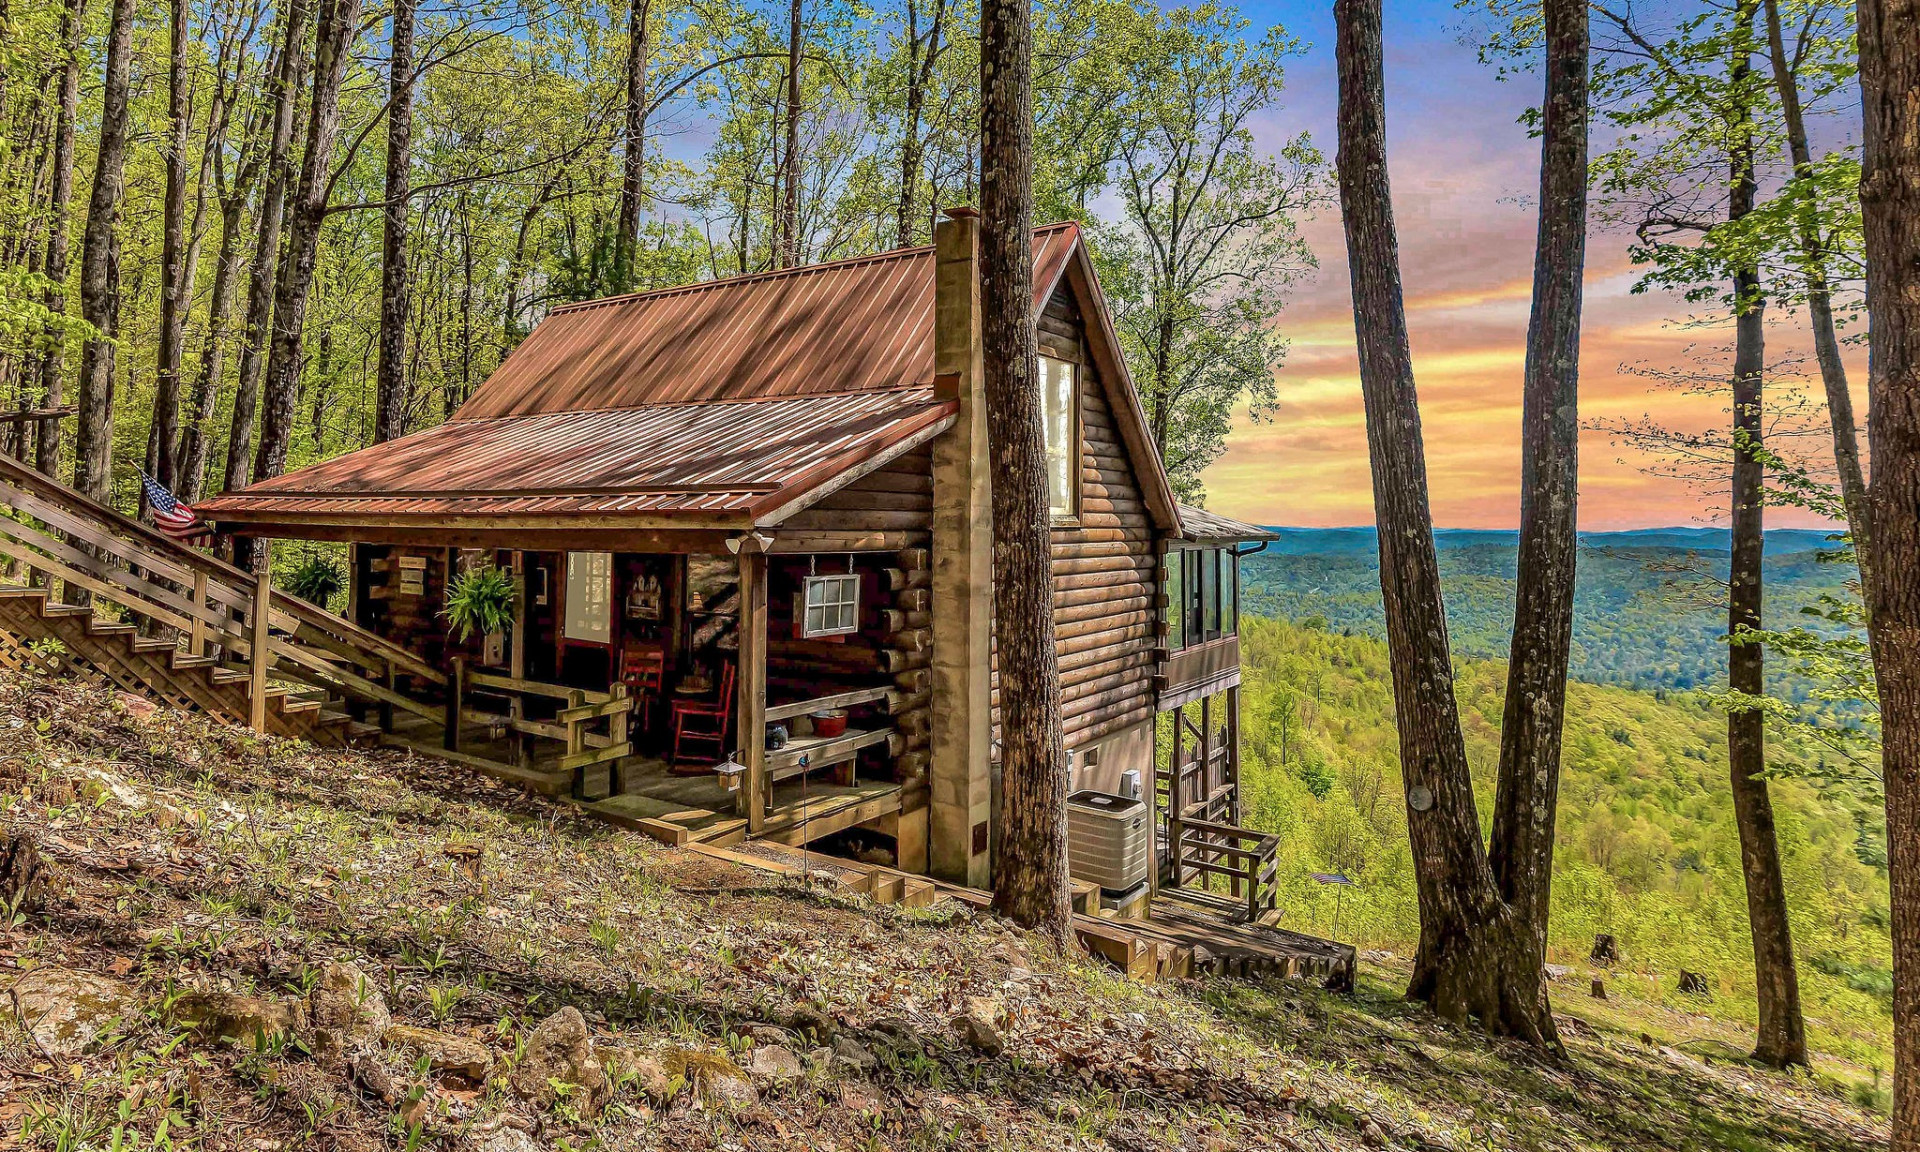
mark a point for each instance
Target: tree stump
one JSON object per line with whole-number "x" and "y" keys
{"x": 1693, "y": 984}
{"x": 1605, "y": 951}
{"x": 21, "y": 873}
{"x": 1599, "y": 988}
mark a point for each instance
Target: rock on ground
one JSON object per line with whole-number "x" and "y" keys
{"x": 646, "y": 1074}
{"x": 560, "y": 1050}
{"x": 246, "y": 1020}
{"x": 348, "y": 1004}
{"x": 67, "y": 1010}
{"x": 774, "y": 1065}
{"x": 444, "y": 1051}
{"x": 978, "y": 1029}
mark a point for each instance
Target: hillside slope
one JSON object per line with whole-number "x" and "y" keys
{"x": 204, "y": 874}
{"x": 1647, "y": 848}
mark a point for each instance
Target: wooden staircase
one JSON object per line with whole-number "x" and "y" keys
{"x": 195, "y": 632}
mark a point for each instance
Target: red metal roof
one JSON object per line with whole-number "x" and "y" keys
{"x": 848, "y": 326}
{"x": 719, "y": 400}
{"x": 723, "y": 460}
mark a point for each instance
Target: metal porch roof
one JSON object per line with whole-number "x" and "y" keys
{"x": 729, "y": 460}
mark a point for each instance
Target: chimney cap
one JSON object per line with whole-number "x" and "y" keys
{"x": 961, "y": 212}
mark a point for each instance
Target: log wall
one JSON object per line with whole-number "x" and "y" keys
{"x": 1105, "y": 567}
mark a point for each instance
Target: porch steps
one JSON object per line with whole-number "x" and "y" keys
{"x": 115, "y": 653}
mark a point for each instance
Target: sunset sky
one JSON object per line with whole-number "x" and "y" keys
{"x": 1464, "y": 174}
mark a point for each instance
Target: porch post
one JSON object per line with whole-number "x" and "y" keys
{"x": 258, "y": 658}
{"x": 1175, "y": 767}
{"x": 958, "y": 771}
{"x": 517, "y": 658}
{"x": 750, "y": 684}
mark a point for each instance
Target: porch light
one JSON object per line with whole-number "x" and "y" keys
{"x": 730, "y": 771}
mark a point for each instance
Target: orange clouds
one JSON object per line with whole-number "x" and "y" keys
{"x": 1467, "y": 261}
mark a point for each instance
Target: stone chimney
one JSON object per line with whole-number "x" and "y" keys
{"x": 962, "y": 564}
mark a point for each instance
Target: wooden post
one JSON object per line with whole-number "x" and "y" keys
{"x": 750, "y": 728}
{"x": 257, "y": 656}
{"x": 577, "y": 740}
{"x": 618, "y": 731}
{"x": 197, "y": 633}
{"x": 1234, "y": 804}
{"x": 1174, "y": 769}
{"x": 456, "y": 688}
{"x": 517, "y": 658}
{"x": 386, "y": 709}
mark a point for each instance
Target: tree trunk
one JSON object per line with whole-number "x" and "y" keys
{"x": 175, "y": 292}
{"x": 1528, "y": 788}
{"x": 1826, "y": 344}
{"x": 789, "y": 252}
{"x": 266, "y": 250}
{"x": 912, "y": 149}
{"x": 390, "y": 389}
{"x": 1474, "y": 959}
{"x": 52, "y": 365}
{"x": 1782, "y": 1035}
{"x": 93, "y": 446}
{"x": 281, "y": 390}
{"x": 1889, "y": 36}
{"x": 206, "y": 385}
{"x": 633, "y": 170}
{"x": 1030, "y": 860}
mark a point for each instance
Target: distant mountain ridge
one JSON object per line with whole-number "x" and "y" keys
{"x": 1646, "y": 606}
{"x": 1361, "y": 539}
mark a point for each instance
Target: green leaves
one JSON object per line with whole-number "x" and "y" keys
{"x": 479, "y": 600}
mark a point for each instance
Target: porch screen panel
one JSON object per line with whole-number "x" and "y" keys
{"x": 590, "y": 597}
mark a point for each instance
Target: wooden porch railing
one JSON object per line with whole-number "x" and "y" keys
{"x": 572, "y": 725}
{"x": 1246, "y": 858}
{"x": 211, "y": 604}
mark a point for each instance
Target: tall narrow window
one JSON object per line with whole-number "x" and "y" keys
{"x": 1063, "y": 451}
{"x": 1176, "y": 602}
{"x": 1210, "y": 570}
{"x": 1230, "y": 590}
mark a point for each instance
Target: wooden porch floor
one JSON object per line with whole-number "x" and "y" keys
{"x": 698, "y": 810}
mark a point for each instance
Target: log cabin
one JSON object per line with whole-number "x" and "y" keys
{"x": 747, "y": 522}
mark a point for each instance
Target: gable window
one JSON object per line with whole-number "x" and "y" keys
{"x": 830, "y": 605}
{"x": 1057, "y": 380}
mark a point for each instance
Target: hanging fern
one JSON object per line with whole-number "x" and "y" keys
{"x": 479, "y": 600}
{"x": 316, "y": 580}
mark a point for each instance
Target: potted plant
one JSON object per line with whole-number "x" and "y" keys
{"x": 479, "y": 600}
{"x": 317, "y": 580}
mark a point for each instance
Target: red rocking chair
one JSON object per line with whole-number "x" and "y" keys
{"x": 705, "y": 721}
{"x": 644, "y": 671}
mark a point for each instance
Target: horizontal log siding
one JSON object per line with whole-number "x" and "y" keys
{"x": 1104, "y": 568}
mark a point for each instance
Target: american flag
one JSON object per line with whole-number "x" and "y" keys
{"x": 173, "y": 518}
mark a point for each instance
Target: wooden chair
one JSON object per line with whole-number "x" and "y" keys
{"x": 705, "y": 721}
{"x": 644, "y": 671}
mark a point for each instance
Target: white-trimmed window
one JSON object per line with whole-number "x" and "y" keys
{"x": 589, "y": 609}
{"x": 830, "y": 605}
{"x": 1057, "y": 379}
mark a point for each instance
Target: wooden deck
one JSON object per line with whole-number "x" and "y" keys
{"x": 683, "y": 810}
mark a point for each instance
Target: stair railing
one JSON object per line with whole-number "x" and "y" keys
{"x": 208, "y": 601}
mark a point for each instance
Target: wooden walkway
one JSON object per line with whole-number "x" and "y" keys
{"x": 1180, "y": 939}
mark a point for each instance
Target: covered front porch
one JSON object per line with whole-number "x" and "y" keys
{"x": 754, "y": 689}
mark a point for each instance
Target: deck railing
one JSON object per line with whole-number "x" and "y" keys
{"x": 573, "y": 724}
{"x": 1247, "y": 859}
{"x": 57, "y": 532}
